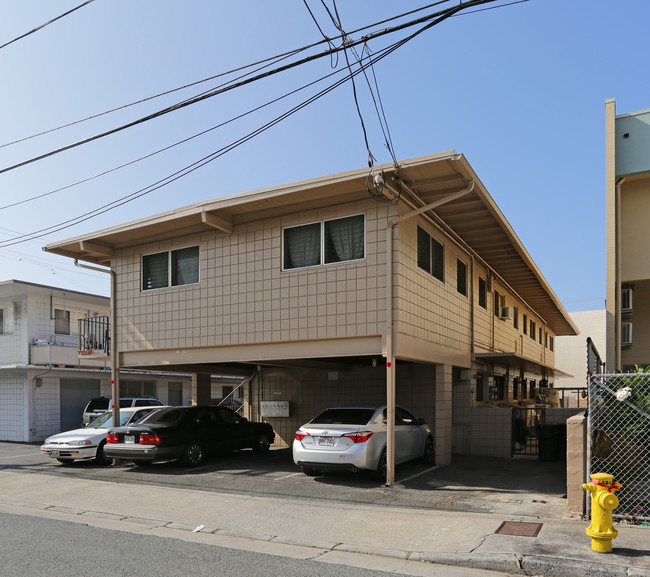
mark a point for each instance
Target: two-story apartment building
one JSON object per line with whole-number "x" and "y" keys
{"x": 50, "y": 368}
{"x": 402, "y": 285}
{"x": 628, "y": 209}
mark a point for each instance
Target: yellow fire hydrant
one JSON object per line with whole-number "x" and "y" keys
{"x": 603, "y": 502}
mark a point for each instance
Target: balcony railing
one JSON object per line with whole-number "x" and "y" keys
{"x": 94, "y": 336}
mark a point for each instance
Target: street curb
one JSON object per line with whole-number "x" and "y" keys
{"x": 538, "y": 565}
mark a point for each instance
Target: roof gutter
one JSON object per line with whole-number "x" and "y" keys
{"x": 390, "y": 358}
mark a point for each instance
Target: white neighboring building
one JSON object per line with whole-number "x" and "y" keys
{"x": 45, "y": 382}
{"x": 571, "y": 352}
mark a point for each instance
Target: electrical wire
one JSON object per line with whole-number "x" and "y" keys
{"x": 443, "y": 15}
{"x": 435, "y": 16}
{"x": 187, "y": 169}
{"x": 45, "y": 24}
{"x": 270, "y": 59}
{"x": 169, "y": 147}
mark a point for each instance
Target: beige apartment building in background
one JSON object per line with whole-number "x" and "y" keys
{"x": 628, "y": 238}
{"x": 398, "y": 284}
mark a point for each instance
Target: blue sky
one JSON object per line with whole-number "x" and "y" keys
{"x": 520, "y": 90}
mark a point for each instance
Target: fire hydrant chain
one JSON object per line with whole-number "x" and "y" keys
{"x": 603, "y": 502}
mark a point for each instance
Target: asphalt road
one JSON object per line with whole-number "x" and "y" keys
{"x": 53, "y": 548}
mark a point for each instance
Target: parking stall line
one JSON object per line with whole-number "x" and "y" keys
{"x": 25, "y": 455}
{"x": 287, "y": 476}
{"x": 418, "y": 474}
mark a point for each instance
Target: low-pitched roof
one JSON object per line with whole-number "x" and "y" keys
{"x": 474, "y": 220}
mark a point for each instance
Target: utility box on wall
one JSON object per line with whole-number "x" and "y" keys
{"x": 274, "y": 408}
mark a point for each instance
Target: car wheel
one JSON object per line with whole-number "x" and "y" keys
{"x": 192, "y": 455}
{"x": 262, "y": 444}
{"x": 428, "y": 455}
{"x": 310, "y": 472}
{"x": 65, "y": 461}
{"x": 101, "y": 458}
{"x": 380, "y": 471}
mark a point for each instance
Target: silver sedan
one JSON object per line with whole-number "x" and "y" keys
{"x": 88, "y": 443}
{"x": 354, "y": 438}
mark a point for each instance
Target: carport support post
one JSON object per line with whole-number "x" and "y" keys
{"x": 390, "y": 358}
{"x": 201, "y": 389}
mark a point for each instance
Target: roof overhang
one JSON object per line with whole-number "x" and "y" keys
{"x": 473, "y": 219}
{"x": 513, "y": 361}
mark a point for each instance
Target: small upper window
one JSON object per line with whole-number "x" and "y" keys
{"x": 626, "y": 299}
{"x": 626, "y": 334}
{"x": 524, "y": 324}
{"x": 2, "y": 321}
{"x": 461, "y": 277}
{"x": 532, "y": 329}
{"x": 482, "y": 292}
{"x": 172, "y": 268}
{"x": 431, "y": 255}
{"x": 61, "y": 322}
{"x": 515, "y": 317}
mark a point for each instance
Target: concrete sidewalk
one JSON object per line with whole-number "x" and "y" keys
{"x": 560, "y": 549}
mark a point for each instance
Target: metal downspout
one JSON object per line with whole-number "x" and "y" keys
{"x": 390, "y": 358}
{"x": 115, "y": 369}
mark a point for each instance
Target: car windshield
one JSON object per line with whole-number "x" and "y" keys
{"x": 344, "y": 416}
{"x": 105, "y": 421}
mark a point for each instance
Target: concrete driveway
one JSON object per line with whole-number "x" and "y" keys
{"x": 473, "y": 484}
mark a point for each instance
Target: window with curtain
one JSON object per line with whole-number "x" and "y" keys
{"x": 344, "y": 239}
{"x": 171, "y": 268}
{"x": 326, "y": 242}
{"x": 185, "y": 266}
{"x": 155, "y": 273}
{"x": 302, "y": 246}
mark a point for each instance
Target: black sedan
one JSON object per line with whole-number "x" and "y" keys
{"x": 187, "y": 434}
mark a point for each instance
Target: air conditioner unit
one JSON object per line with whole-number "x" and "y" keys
{"x": 505, "y": 313}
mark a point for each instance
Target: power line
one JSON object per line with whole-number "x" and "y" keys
{"x": 178, "y": 143}
{"x": 443, "y": 14}
{"x": 270, "y": 59}
{"x": 189, "y": 168}
{"x": 45, "y": 24}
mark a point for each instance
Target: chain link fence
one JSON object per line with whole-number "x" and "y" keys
{"x": 619, "y": 438}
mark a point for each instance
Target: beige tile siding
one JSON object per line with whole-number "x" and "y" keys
{"x": 244, "y": 297}
{"x": 428, "y": 308}
{"x": 493, "y": 334}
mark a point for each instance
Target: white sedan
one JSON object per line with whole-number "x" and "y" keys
{"x": 88, "y": 443}
{"x": 354, "y": 438}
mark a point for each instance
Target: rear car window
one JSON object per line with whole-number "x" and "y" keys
{"x": 146, "y": 402}
{"x": 344, "y": 417}
{"x": 97, "y": 405}
{"x": 167, "y": 417}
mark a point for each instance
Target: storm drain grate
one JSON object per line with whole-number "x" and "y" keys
{"x": 520, "y": 529}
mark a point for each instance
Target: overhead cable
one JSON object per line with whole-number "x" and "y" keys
{"x": 432, "y": 18}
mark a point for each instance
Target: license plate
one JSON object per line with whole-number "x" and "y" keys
{"x": 129, "y": 439}
{"x": 325, "y": 442}
{"x": 54, "y": 453}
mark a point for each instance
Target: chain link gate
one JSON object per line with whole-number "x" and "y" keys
{"x": 618, "y": 439}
